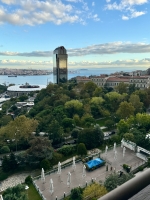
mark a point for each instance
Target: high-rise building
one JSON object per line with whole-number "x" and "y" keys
{"x": 60, "y": 71}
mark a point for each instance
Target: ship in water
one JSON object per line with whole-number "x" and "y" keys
{"x": 12, "y": 75}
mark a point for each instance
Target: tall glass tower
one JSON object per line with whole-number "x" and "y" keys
{"x": 60, "y": 71}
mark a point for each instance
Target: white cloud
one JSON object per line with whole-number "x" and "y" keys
{"x": 8, "y": 1}
{"x": 24, "y": 62}
{"x": 31, "y": 12}
{"x": 125, "y": 17}
{"x": 137, "y": 14}
{"x": 72, "y": 64}
{"x": 134, "y": 2}
{"x": 99, "y": 49}
{"x": 93, "y": 3}
{"x": 129, "y": 7}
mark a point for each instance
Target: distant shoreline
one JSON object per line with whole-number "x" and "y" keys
{"x": 9, "y": 75}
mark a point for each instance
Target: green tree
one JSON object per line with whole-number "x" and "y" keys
{"x": 4, "y": 149}
{"x": 81, "y": 149}
{"x": 124, "y": 178}
{"x": 89, "y": 87}
{"x": 21, "y": 128}
{"x": 113, "y": 99}
{"x": 12, "y": 161}
{"x": 5, "y": 164}
{"x": 14, "y": 108}
{"x": 142, "y": 94}
{"x": 94, "y": 190}
{"x": 68, "y": 123}
{"x": 125, "y": 110}
{"x": 91, "y": 137}
{"x": 76, "y": 194}
{"x": 131, "y": 88}
{"x": 135, "y": 100}
{"x": 5, "y": 120}
{"x": 3, "y": 88}
{"x": 45, "y": 164}
{"x": 97, "y": 101}
{"x": 115, "y": 138}
{"x": 87, "y": 118}
{"x": 111, "y": 182}
{"x": 122, "y": 126}
{"x": 98, "y": 92}
{"x": 75, "y": 132}
{"x": 28, "y": 180}
{"x": 40, "y": 149}
{"x": 56, "y": 132}
{"x": 73, "y": 107}
{"x": 129, "y": 136}
{"x": 99, "y": 135}
{"x": 114, "y": 180}
{"x": 121, "y": 88}
{"x": 23, "y": 98}
{"x": 109, "y": 123}
{"x": 15, "y": 193}
{"x": 77, "y": 119}
{"x": 143, "y": 120}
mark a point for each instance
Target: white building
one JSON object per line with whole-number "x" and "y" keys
{"x": 18, "y": 90}
{"x": 140, "y": 81}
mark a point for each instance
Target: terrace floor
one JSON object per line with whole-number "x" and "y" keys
{"x": 60, "y": 181}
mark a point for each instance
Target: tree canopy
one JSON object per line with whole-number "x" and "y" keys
{"x": 21, "y": 128}
{"x": 40, "y": 149}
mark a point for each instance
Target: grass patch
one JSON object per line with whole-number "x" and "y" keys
{"x": 33, "y": 194}
{"x": 101, "y": 122}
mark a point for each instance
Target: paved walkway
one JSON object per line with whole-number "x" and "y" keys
{"x": 60, "y": 182}
{"x": 12, "y": 181}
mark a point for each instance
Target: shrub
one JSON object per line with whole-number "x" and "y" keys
{"x": 94, "y": 191}
{"x": 126, "y": 167}
{"x": 81, "y": 149}
{"x": 148, "y": 162}
{"x": 5, "y": 149}
{"x": 28, "y": 180}
{"x": 109, "y": 123}
{"x": 76, "y": 194}
{"x": 45, "y": 164}
{"x": 140, "y": 168}
{"x": 56, "y": 158}
{"x": 111, "y": 182}
{"x": 3, "y": 176}
{"x": 75, "y": 133}
{"x": 67, "y": 150}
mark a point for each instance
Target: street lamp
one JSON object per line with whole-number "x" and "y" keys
{"x": 26, "y": 188}
{"x": 16, "y": 139}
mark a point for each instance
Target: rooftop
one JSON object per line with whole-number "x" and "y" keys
{"x": 17, "y": 88}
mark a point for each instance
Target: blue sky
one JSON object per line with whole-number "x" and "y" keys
{"x": 96, "y": 33}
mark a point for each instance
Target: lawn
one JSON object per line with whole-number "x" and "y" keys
{"x": 33, "y": 194}
{"x": 101, "y": 122}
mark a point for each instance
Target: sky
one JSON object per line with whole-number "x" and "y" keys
{"x": 96, "y": 33}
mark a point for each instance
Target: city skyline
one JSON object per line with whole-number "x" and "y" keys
{"x": 96, "y": 34}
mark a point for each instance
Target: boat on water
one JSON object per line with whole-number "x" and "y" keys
{"x": 12, "y": 75}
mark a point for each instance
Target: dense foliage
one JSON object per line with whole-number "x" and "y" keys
{"x": 115, "y": 179}
{"x": 71, "y": 113}
{"x": 15, "y": 193}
